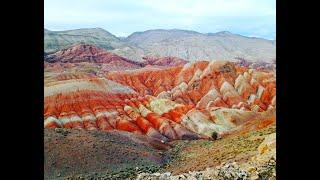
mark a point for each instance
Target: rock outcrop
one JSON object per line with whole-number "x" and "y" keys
{"x": 164, "y": 61}
{"x": 191, "y": 101}
{"x": 89, "y": 53}
{"x": 200, "y": 84}
{"x": 189, "y": 45}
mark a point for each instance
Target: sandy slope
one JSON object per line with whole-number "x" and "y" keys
{"x": 69, "y": 152}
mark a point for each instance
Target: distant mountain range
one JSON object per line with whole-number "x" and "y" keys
{"x": 188, "y": 45}
{"x": 80, "y": 53}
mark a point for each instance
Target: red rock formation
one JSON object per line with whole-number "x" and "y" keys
{"x": 89, "y": 53}
{"x": 235, "y": 85}
{"x": 164, "y": 61}
{"x": 146, "y": 81}
{"x": 182, "y": 102}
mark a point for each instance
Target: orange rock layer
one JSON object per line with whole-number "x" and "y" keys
{"x": 94, "y": 110}
{"x": 237, "y": 87}
{"x": 167, "y": 104}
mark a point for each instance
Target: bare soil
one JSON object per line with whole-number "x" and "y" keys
{"x": 70, "y": 152}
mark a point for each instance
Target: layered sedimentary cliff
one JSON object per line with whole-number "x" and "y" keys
{"x": 89, "y": 53}
{"x": 191, "y": 101}
{"x": 164, "y": 61}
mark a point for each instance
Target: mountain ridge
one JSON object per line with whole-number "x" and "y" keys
{"x": 86, "y": 53}
{"x": 185, "y": 44}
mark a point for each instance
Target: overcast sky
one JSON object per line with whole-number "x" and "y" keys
{"x": 122, "y": 17}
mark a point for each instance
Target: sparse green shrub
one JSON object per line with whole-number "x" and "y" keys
{"x": 214, "y": 135}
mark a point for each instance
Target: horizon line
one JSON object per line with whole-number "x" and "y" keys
{"x": 274, "y": 39}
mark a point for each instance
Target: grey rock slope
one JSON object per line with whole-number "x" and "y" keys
{"x": 192, "y": 46}
{"x": 189, "y": 45}
{"x": 57, "y": 40}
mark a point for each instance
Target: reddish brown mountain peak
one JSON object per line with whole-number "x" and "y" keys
{"x": 85, "y": 48}
{"x": 92, "y": 54}
{"x": 164, "y": 61}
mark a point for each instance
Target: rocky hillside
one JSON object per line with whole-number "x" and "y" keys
{"x": 192, "y": 45}
{"x": 164, "y": 61}
{"x": 70, "y": 152}
{"x": 115, "y": 123}
{"x": 249, "y": 156}
{"x": 202, "y": 101}
{"x": 89, "y": 53}
{"x": 57, "y": 40}
{"x": 189, "y": 45}
{"x": 80, "y": 55}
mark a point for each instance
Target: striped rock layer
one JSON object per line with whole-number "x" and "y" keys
{"x": 193, "y": 101}
{"x": 204, "y": 85}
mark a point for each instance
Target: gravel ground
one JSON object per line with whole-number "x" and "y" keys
{"x": 249, "y": 156}
{"x": 80, "y": 154}
{"x": 70, "y": 152}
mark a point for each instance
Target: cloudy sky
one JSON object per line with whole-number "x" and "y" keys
{"x": 255, "y": 18}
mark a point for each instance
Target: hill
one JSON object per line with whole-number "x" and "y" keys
{"x": 188, "y": 45}
{"x": 89, "y": 53}
{"x": 57, "y": 40}
{"x": 191, "y": 45}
